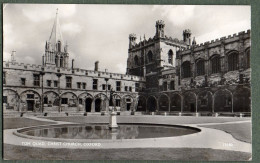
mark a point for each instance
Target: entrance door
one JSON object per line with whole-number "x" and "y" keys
{"x": 88, "y": 104}
{"x": 128, "y": 106}
{"x": 192, "y": 107}
{"x": 30, "y": 105}
{"x": 97, "y": 105}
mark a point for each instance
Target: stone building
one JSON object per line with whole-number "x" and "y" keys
{"x": 56, "y": 87}
{"x": 164, "y": 74}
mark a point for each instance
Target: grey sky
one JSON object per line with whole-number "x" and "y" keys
{"x": 100, "y": 32}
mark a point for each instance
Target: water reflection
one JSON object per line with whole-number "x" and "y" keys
{"x": 102, "y": 132}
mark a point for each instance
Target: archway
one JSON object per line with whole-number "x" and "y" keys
{"x": 163, "y": 103}
{"x": 10, "y": 100}
{"x": 152, "y": 104}
{"x": 242, "y": 100}
{"x": 204, "y": 101}
{"x": 88, "y": 103}
{"x": 98, "y": 105}
{"x": 175, "y": 102}
{"x": 189, "y": 102}
{"x": 31, "y": 99}
{"x": 141, "y": 106}
{"x": 223, "y": 101}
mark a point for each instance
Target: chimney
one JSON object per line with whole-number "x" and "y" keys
{"x": 72, "y": 64}
{"x": 96, "y": 66}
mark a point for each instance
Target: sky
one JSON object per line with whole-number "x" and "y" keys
{"x": 100, "y": 32}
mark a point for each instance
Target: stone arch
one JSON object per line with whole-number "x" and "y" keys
{"x": 151, "y": 104}
{"x": 30, "y": 100}
{"x": 189, "y": 102}
{"x": 223, "y": 101}
{"x": 69, "y": 101}
{"x": 175, "y": 100}
{"x": 242, "y": 100}
{"x": 141, "y": 106}
{"x": 127, "y": 103}
{"x": 204, "y": 101}
{"x": 101, "y": 102}
{"x": 52, "y": 98}
{"x": 85, "y": 101}
{"x": 11, "y": 100}
{"x": 164, "y": 102}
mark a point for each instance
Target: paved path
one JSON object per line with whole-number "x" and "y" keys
{"x": 207, "y": 138}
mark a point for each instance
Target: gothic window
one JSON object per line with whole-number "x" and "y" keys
{"x": 84, "y": 85}
{"x": 59, "y": 46}
{"x": 61, "y": 61}
{"x": 78, "y": 85}
{"x": 136, "y": 61}
{"x": 118, "y": 86}
{"x": 200, "y": 67}
{"x": 68, "y": 82}
{"x": 36, "y": 79}
{"x": 56, "y": 60}
{"x": 164, "y": 86}
{"x": 150, "y": 56}
{"x": 49, "y": 83}
{"x": 55, "y": 83}
{"x": 233, "y": 61}
{"x": 172, "y": 85}
{"x": 95, "y": 84}
{"x": 170, "y": 56}
{"x": 186, "y": 69}
{"x": 248, "y": 58}
{"x": 215, "y": 64}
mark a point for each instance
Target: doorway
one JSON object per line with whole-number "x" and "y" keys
{"x": 88, "y": 103}
{"x": 128, "y": 106}
{"x": 97, "y": 105}
{"x": 30, "y": 105}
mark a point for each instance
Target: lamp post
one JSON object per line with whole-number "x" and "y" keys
{"x": 106, "y": 79}
{"x": 59, "y": 75}
{"x": 42, "y": 105}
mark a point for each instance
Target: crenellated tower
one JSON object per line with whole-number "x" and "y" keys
{"x": 56, "y": 51}
{"x": 159, "y": 28}
{"x": 132, "y": 40}
{"x": 187, "y": 36}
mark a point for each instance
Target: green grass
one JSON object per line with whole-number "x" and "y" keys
{"x": 240, "y": 131}
{"x": 26, "y": 153}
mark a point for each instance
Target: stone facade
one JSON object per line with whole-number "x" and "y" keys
{"x": 164, "y": 74}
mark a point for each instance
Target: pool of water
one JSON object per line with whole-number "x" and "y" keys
{"x": 103, "y": 132}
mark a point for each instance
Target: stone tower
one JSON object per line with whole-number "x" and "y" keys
{"x": 132, "y": 40}
{"x": 159, "y": 29}
{"x": 56, "y": 51}
{"x": 187, "y": 36}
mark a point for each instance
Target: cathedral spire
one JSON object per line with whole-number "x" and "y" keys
{"x": 56, "y": 36}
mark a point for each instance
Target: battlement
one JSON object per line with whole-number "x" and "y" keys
{"x": 217, "y": 41}
{"x": 69, "y": 71}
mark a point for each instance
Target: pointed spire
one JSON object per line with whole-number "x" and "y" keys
{"x": 56, "y": 35}
{"x": 194, "y": 41}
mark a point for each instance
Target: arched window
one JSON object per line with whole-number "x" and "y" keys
{"x": 170, "y": 56}
{"x": 136, "y": 60}
{"x": 150, "y": 56}
{"x": 233, "y": 61}
{"x": 200, "y": 65}
{"x": 248, "y": 58}
{"x": 59, "y": 46}
{"x": 56, "y": 60}
{"x": 186, "y": 69}
{"x": 61, "y": 61}
{"x": 215, "y": 64}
